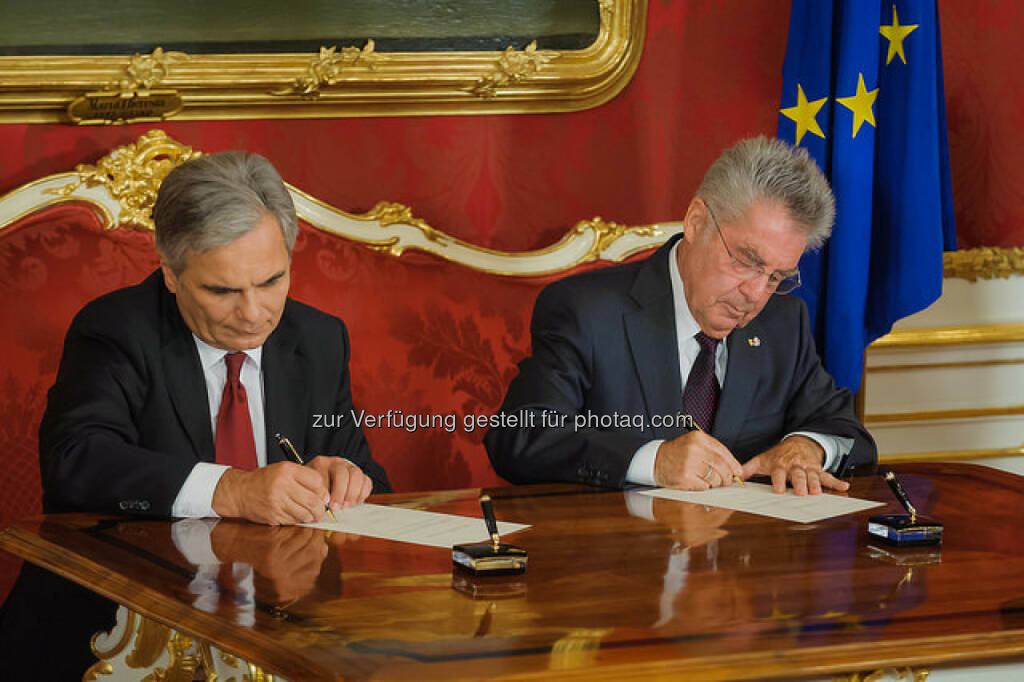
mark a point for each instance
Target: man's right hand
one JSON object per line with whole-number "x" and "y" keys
{"x": 694, "y": 461}
{"x": 277, "y": 494}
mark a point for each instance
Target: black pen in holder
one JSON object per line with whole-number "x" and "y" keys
{"x": 489, "y": 558}
{"x": 904, "y": 529}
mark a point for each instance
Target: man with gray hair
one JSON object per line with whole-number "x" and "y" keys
{"x": 170, "y": 392}
{"x": 691, "y": 368}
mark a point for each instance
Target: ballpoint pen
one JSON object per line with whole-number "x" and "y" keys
{"x": 901, "y": 494}
{"x": 290, "y": 451}
{"x": 735, "y": 478}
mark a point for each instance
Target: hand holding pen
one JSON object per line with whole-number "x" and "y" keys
{"x": 346, "y": 483}
{"x": 291, "y": 453}
{"x": 694, "y": 461}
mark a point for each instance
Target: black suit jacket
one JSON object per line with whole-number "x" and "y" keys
{"x": 604, "y": 343}
{"x": 128, "y": 416}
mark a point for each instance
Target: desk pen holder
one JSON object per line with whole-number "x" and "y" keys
{"x": 903, "y": 530}
{"x": 488, "y": 558}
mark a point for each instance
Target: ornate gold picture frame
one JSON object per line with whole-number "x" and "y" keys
{"x": 336, "y": 81}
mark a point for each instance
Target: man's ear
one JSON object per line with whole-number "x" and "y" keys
{"x": 170, "y": 281}
{"x": 695, "y": 220}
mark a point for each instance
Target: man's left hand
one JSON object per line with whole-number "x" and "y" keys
{"x": 347, "y": 483}
{"x": 797, "y": 459}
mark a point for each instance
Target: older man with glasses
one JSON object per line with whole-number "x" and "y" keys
{"x": 691, "y": 369}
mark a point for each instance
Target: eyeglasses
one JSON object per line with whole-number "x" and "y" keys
{"x": 777, "y": 282}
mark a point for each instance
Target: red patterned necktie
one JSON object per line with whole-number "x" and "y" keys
{"x": 234, "y": 443}
{"x": 700, "y": 397}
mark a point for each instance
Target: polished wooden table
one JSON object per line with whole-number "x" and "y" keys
{"x": 669, "y": 589}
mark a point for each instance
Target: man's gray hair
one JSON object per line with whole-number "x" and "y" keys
{"x": 211, "y": 201}
{"x": 772, "y": 170}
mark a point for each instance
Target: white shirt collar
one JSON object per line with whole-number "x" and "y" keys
{"x": 210, "y": 356}
{"x": 686, "y": 325}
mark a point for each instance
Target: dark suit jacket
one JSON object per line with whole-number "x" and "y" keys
{"x": 604, "y": 343}
{"x": 128, "y": 417}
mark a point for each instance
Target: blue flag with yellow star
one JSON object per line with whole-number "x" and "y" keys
{"x": 862, "y": 91}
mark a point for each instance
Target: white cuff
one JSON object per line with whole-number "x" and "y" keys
{"x": 195, "y": 499}
{"x": 641, "y": 467}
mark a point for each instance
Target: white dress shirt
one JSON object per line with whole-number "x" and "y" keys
{"x": 641, "y": 467}
{"x": 195, "y": 499}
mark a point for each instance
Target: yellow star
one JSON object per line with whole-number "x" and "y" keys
{"x": 895, "y": 34}
{"x": 860, "y": 104}
{"x": 804, "y": 113}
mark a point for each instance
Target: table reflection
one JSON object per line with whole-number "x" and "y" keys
{"x": 237, "y": 561}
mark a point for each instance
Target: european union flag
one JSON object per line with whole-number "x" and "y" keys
{"x": 862, "y": 91}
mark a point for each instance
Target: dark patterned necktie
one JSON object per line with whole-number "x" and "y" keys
{"x": 700, "y": 397}
{"x": 234, "y": 443}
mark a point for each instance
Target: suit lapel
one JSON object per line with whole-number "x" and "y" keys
{"x": 651, "y": 331}
{"x": 284, "y": 394}
{"x": 742, "y": 375}
{"x": 184, "y": 376}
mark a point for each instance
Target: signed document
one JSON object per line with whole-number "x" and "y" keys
{"x": 758, "y": 498}
{"x": 412, "y": 525}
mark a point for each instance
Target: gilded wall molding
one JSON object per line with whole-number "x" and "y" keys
{"x": 145, "y": 72}
{"x": 983, "y": 263}
{"x": 936, "y": 337}
{"x": 514, "y": 67}
{"x": 337, "y": 82}
{"x": 327, "y": 68}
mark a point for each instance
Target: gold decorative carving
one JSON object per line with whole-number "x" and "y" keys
{"x": 257, "y": 674}
{"x": 606, "y": 233}
{"x": 131, "y": 97}
{"x": 96, "y": 669}
{"x": 984, "y": 263}
{"x": 513, "y": 67}
{"x": 102, "y": 667}
{"x": 145, "y": 71}
{"x": 393, "y": 213}
{"x": 183, "y": 662}
{"x": 607, "y": 8}
{"x": 326, "y": 69}
{"x": 133, "y": 173}
{"x": 150, "y": 641}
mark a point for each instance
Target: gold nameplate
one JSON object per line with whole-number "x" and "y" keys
{"x": 130, "y": 107}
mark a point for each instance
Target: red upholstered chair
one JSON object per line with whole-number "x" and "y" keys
{"x": 437, "y": 325}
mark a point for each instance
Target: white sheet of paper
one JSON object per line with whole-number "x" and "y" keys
{"x": 412, "y": 525}
{"x": 758, "y": 498}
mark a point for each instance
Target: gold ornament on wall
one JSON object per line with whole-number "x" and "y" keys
{"x": 144, "y": 72}
{"x": 513, "y": 67}
{"x": 326, "y": 69}
{"x": 984, "y": 263}
{"x": 132, "y": 174}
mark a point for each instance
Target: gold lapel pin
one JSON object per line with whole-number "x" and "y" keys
{"x": 754, "y": 341}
